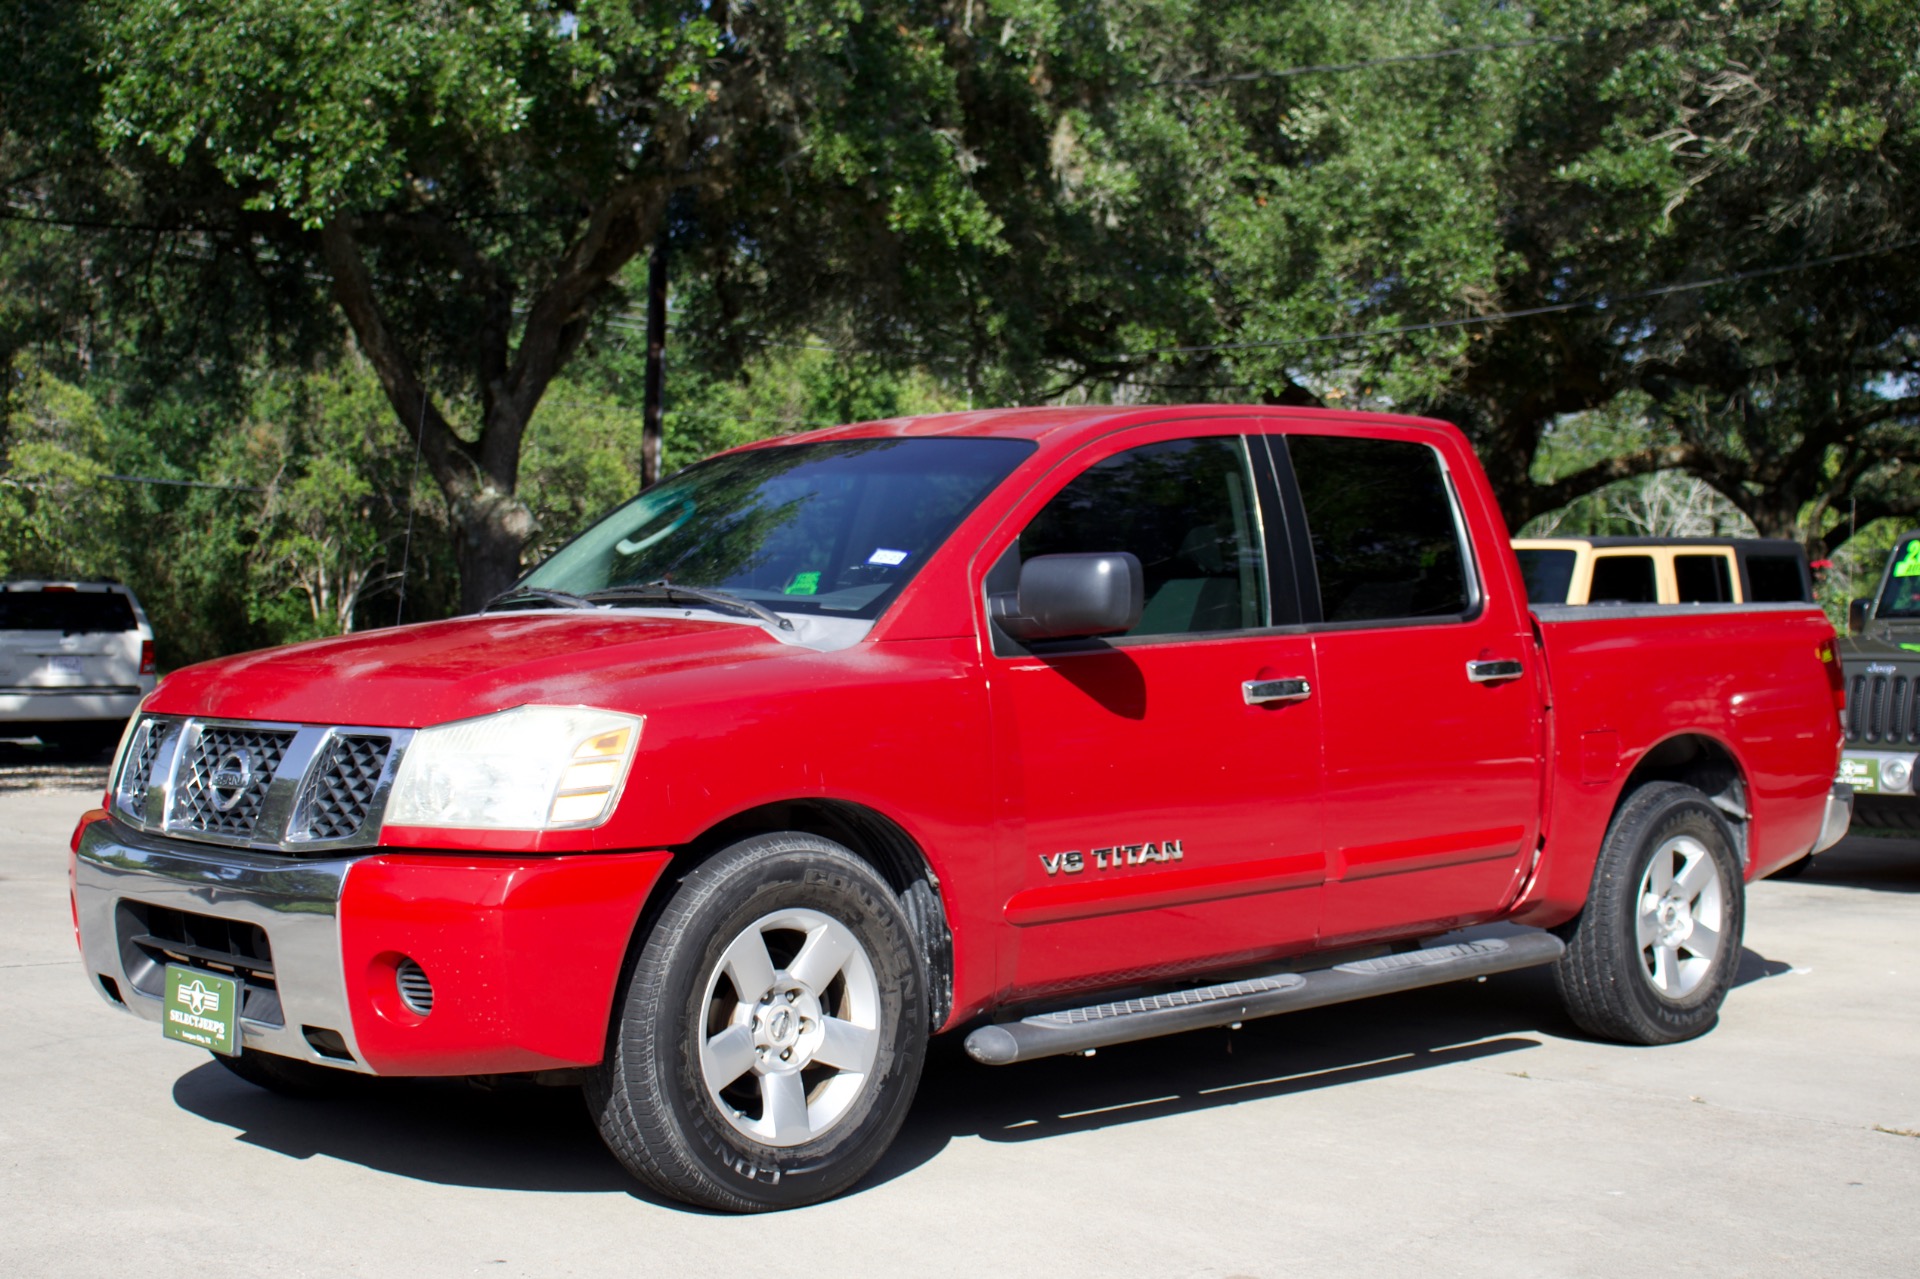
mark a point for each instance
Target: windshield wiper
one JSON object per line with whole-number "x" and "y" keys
{"x": 668, "y": 590}
{"x": 567, "y": 598}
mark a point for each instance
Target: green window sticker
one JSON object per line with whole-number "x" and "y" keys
{"x": 803, "y": 584}
{"x": 1910, "y": 565}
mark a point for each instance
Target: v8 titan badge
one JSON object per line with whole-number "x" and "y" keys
{"x": 202, "y": 1009}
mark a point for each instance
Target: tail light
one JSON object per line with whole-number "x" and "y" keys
{"x": 1836, "y": 678}
{"x": 146, "y": 657}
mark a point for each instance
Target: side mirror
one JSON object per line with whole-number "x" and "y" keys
{"x": 1073, "y": 596}
{"x": 1859, "y": 613}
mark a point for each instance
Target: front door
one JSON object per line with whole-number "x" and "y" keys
{"x": 1163, "y": 785}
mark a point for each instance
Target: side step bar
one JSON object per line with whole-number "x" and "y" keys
{"x": 1076, "y": 1030}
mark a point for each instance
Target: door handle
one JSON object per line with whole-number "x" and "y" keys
{"x": 1495, "y": 670}
{"x": 1259, "y": 692}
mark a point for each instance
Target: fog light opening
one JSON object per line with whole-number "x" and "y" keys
{"x": 1895, "y": 774}
{"x": 416, "y": 989}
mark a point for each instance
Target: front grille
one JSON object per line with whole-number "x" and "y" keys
{"x": 312, "y": 790}
{"x": 1883, "y": 710}
{"x": 146, "y": 747}
{"x": 344, "y": 783}
{"x": 224, "y": 782}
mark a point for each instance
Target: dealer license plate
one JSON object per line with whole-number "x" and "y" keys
{"x": 202, "y": 1009}
{"x": 1861, "y": 774}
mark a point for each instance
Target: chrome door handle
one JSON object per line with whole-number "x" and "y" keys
{"x": 1259, "y": 692}
{"x": 1498, "y": 669}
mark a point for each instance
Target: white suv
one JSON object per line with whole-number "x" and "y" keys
{"x": 75, "y": 660}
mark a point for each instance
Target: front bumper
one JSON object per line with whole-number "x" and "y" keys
{"x": 1871, "y": 772}
{"x": 523, "y": 952}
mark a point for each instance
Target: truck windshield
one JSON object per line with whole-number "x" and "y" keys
{"x": 833, "y": 528}
{"x": 1902, "y": 596}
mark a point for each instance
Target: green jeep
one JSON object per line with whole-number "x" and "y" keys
{"x": 1881, "y": 658}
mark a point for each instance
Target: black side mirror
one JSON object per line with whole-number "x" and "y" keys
{"x": 1859, "y": 613}
{"x": 1073, "y": 596}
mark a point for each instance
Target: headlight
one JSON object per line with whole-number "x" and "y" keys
{"x": 530, "y": 768}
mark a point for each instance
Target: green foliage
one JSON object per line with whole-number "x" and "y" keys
{"x": 57, "y": 511}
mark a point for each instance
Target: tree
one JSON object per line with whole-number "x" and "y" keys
{"x": 472, "y": 178}
{"x": 1705, "y": 209}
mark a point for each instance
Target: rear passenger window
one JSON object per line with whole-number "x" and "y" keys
{"x": 1774, "y": 579}
{"x": 1623, "y": 579}
{"x": 1703, "y": 579}
{"x": 1185, "y": 509}
{"x": 1386, "y": 546}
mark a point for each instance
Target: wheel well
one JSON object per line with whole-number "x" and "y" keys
{"x": 1707, "y": 766}
{"x": 876, "y": 840}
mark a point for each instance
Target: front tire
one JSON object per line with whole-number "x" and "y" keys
{"x": 1651, "y": 958}
{"x": 771, "y": 1032}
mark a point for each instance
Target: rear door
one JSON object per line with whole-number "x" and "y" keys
{"x": 1162, "y": 786}
{"x": 1431, "y": 728}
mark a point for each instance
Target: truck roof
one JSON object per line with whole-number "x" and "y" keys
{"x": 1064, "y": 426}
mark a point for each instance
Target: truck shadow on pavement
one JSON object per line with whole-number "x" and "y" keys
{"x": 541, "y": 1139}
{"x": 1886, "y": 863}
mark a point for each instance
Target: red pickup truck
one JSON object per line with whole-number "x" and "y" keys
{"x": 1055, "y": 728}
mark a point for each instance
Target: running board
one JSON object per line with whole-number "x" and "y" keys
{"x": 1075, "y": 1030}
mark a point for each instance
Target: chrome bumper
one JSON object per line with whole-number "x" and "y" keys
{"x": 1839, "y": 817}
{"x": 294, "y": 901}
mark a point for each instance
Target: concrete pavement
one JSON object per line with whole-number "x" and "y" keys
{"x": 1461, "y": 1130}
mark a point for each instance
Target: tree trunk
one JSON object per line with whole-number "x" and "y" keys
{"x": 490, "y": 528}
{"x": 652, "y": 435}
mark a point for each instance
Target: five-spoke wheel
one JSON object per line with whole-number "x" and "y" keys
{"x": 770, "y": 1034}
{"x": 792, "y": 1027}
{"x": 1650, "y": 958}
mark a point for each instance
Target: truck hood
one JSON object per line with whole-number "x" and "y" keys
{"x": 413, "y": 676}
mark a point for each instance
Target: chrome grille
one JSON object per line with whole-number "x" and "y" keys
{"x": 1883, "y": 710}
{"x": 214, "y": 795}
{"x": 344, "y": 783}
{"x": 285, "y": 789}
{"x": 139, "y": 767}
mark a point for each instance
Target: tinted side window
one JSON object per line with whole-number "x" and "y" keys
{"x": 1703, "y": 579}
{"x": 1385, "y": 544}
{"x": 1548, "y": 574}
{"x": 1185, "y": 509}
{"x": 1623, "y": 579}
{"x": 1773, "y": 579}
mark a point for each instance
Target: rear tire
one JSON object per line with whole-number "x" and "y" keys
{"x": 770, "y": 1035}
{"x": 1651, "y": 958}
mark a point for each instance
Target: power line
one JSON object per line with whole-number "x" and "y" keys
{"x": 185, "y": 484}
{"x": 1494, "y": 317}
{"x": 1331, "y": 68}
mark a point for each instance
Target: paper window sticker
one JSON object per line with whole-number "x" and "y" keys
{"x": 802, "y": 584}
{"x": 892, "y": 558}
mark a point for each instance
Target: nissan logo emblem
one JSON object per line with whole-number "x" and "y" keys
{"x": 230, "y": 780}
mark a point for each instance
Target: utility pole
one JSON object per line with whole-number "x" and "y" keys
{"x": 651, "y": 434}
